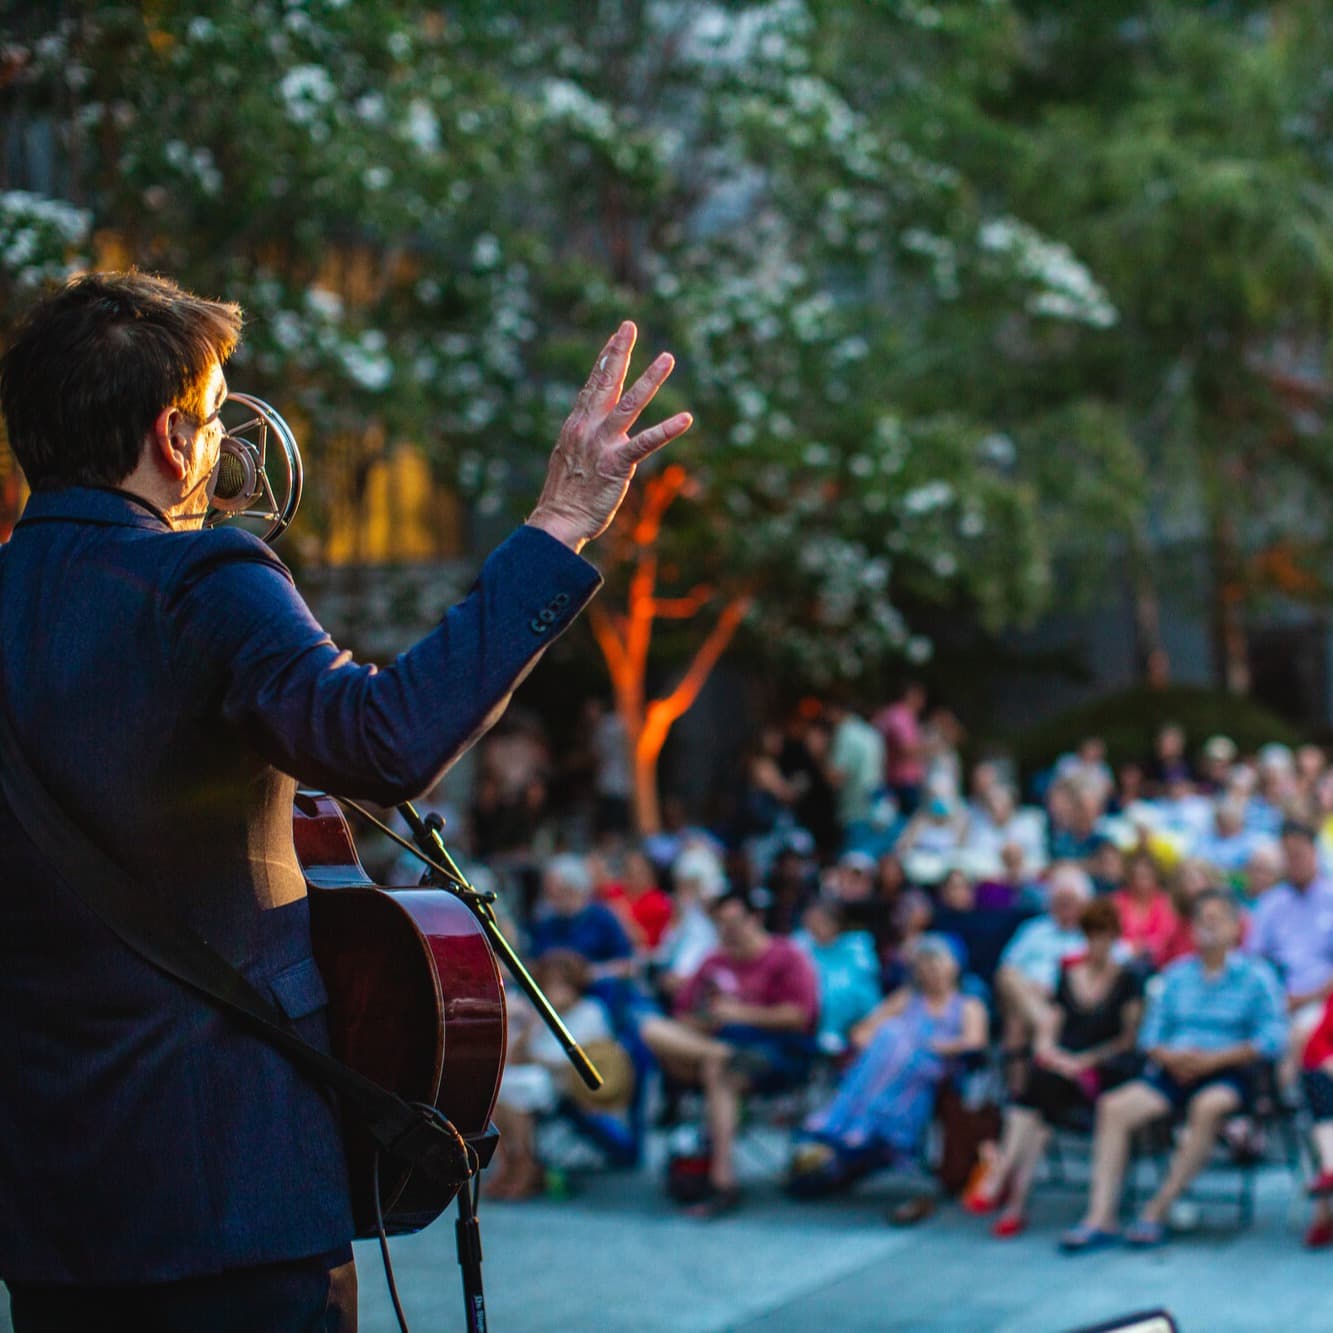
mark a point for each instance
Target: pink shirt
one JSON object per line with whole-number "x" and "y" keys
{"x": 1150, "y": 928}
{"x": 782, "y": 974}
{"x": 902, "y": 743}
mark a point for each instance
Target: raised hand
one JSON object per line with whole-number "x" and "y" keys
{"x": 595, "y": 457}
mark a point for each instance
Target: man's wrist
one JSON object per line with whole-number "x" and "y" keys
{"x": 564, "y": 530}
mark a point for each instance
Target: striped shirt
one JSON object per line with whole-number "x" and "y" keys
{"x": 1196, "y": 1012}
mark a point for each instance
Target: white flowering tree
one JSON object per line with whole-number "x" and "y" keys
{"x": 433, "y": 216}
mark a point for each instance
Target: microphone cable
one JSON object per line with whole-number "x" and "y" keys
{"x": 474, "y": 1186}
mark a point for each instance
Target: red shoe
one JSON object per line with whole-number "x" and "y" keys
{"x": 975, "y": 1202}
{"x": 1319, "y": 1236}
{"x": 978, "y": 1205}
{"x": 1009, "y": 1225}
{"x": 1321, "y": 1185}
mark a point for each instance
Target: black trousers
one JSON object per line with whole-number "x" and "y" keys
{"x": 315, "y": 1295}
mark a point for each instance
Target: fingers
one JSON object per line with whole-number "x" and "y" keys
{"x": 649, "y": 441}
{"x": 608, "y": 372}
{"x": 644, "y": 390}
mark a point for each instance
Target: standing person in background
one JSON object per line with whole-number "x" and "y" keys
{"x": 904, "y": 753}
{"x": 802, "y": 763}
{"x": 855, "y": 770}
{"x": 1168, "y": 763}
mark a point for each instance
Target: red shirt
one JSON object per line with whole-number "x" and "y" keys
{"x": 782, "y": 974}
{"x": 1149, "y": 928}
{"x": 650, "y": 911}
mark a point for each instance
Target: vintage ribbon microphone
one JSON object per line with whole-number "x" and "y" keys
{"x": 244, "y": 488}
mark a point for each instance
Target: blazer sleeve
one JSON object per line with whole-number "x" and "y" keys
{"x": 243, "y": 642}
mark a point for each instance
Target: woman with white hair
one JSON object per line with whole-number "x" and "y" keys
{"x": 908, "y": 1044}
{"x": 691, "y": 936}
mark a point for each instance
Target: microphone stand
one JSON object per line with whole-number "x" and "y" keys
{"x": 442, "y": 872}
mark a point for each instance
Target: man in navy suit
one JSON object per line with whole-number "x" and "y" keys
{"x": 161, "y": 1167}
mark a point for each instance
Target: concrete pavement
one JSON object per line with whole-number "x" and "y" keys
{"x": 616, "y": 1256}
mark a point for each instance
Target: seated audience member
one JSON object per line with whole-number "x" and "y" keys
{"x": 1029, "y": 969}
{"x": 1275, "y": 785}
{"x": 537, "y": 1069}
{"x": 1293, "y": 930}
{"x": 956, "y": 893}
{"x": 848, "y": 970}
{"x": 644, "y": 910}
{"x": 1218, "y": 1016}
{"x": 1014, "y": 888}
{"x": 936, "y": 829}
{"x": 791, "y": 884}
{"x": 568, "y": 918}
{"x": 1216, "y": 762}
{"x": 1107, "y": 867}
{"x": 1263, "y": 871}
{"x": 1084, "y": 1046}
{"x": 1183, "y": 815}
{"x": 1000, "y": 824}
{"x": 1191, "y": 879}
{"x": 912, "y": 919}
{"x": 883, "y": 1105}
{"x": 1075, "y": 809}
{"x": 1148, "y": 922}
{"x": 852, "y": 880}
{"x": 1229, "y": 844}
{"x": 1087, "y": 764}
{"x": 691, "y": 936}
{"x": 1129, "y": 788}
{"x": 878, "y": 912}
{"x": 745, "y": 1020}
{"x": 1317, "y": 1080}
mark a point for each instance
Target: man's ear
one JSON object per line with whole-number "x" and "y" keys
{"x": 169, "y": 443}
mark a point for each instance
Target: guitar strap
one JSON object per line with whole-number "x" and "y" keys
{"x": 417, "y": 1136}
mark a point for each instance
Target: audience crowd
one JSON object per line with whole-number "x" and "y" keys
{"x": 895, "y": 941}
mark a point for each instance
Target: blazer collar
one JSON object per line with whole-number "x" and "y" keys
{"x": 103, "y": 505}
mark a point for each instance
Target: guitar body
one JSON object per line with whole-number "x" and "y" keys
{"x": 415, "y": 1003}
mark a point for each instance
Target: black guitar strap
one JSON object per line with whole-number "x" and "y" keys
{"x": 413, "y": 1135}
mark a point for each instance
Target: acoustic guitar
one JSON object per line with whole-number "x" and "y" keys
{"x": 415, "y": 1003}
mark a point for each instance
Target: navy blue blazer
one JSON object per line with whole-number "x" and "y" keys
{"x": 171, "y": 688}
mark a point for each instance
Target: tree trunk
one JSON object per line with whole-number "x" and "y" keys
{"x": 1231, "y": 650}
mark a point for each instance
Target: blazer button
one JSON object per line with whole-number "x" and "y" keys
{"x": 561, "y": 601}
{"x": 537, "y": 627}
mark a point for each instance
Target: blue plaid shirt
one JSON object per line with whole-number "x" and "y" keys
{"x": 1197, "y": 1012}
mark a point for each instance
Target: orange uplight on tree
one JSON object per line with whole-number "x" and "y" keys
{"x": 624, "y": 638}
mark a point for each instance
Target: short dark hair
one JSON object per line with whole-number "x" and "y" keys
{"x": 1293, "y": 827}
{"x": 1213, "y": 896}
{"x": 1100, "y": 917}
{"x": 91, "y": 365}
{"x": 735, "y": 896}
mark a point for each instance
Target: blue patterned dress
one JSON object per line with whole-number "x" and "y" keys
{"x": 882, "y": 1109}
